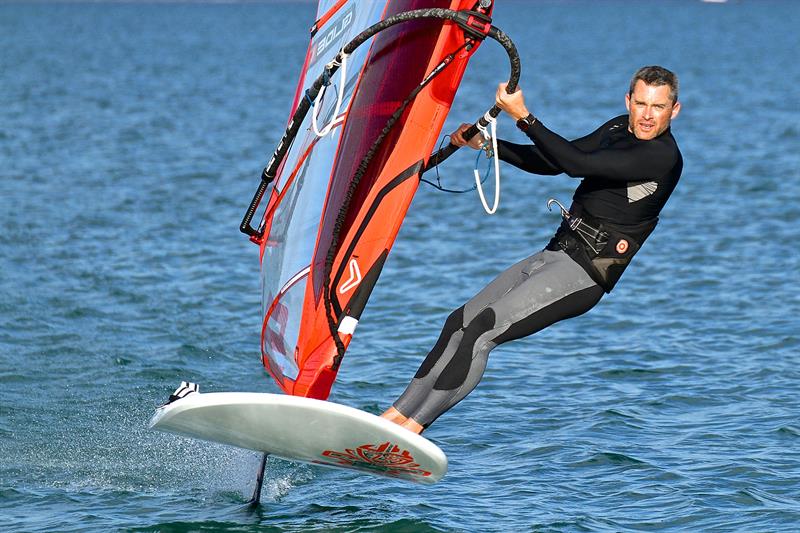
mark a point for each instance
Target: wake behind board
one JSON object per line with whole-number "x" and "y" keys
{"x": 305, "y": 430}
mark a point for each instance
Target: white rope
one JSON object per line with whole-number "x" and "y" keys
{"x": 318, "y": 101}
{"x": 493, "y": 136}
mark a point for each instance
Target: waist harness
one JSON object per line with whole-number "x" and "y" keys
{"x": 604, "y": 250}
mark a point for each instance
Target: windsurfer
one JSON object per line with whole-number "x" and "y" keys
{"x": 630, "y": 165}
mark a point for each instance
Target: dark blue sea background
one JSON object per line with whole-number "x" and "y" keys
{"x": 132, "y": 137}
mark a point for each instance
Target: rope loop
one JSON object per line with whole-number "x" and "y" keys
{"x": 339, "y": 61}
{"x": 490, "y": 134}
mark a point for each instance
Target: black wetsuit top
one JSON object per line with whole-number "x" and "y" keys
{"x": 626, "y": 181}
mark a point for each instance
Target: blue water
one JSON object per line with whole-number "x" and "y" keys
{"x": 131, "y": 140}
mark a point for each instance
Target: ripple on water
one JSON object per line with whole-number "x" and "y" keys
{"x": 132, "y": 138}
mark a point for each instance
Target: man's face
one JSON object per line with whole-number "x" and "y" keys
{"x": 651, "y": 110}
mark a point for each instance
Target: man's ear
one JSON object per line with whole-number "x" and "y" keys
{"x": 628, "y": 101}
{"x": 676, "y": 108}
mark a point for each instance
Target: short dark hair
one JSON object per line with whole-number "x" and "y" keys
{"x": 655, "y": 75}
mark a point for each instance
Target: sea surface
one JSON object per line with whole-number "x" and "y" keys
{"x": 131, "y": 140}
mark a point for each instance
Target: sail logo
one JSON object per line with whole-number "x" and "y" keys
{"x": 332, "y": 35}
{"x": 353, "y": 280}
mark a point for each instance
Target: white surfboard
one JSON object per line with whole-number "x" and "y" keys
{"x": 305, "y": 430}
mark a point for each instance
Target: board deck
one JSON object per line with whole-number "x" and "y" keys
{"x": 306, "y": 430}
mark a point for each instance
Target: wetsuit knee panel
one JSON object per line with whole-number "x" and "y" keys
{"x": 453, "y": 323}
{"x": 457, "y": 369}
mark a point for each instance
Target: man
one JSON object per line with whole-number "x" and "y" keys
{"x": 630, "y": 166}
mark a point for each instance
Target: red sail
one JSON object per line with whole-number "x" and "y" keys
{"x": 317, "y": 214}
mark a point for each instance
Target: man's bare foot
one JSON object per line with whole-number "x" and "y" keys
{"x": 412, "y": 425}
{"x": 393, "y": 415}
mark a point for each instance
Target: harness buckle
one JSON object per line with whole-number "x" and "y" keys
{"x": 593, "y": 237}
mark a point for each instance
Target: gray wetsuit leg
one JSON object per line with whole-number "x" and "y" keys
{"x": 528, "y": 297}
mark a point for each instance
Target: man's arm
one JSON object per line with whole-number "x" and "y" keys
{"x": 526, "y": 157}
{"x": 529, "y": 158}
{"x": 623, "y": 164}
{"x": 642, "y": 160}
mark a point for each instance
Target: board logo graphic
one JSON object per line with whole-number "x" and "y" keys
{"x": 387, "y": 458}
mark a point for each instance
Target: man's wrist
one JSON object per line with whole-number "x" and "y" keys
{"x": 526, "y": 122}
